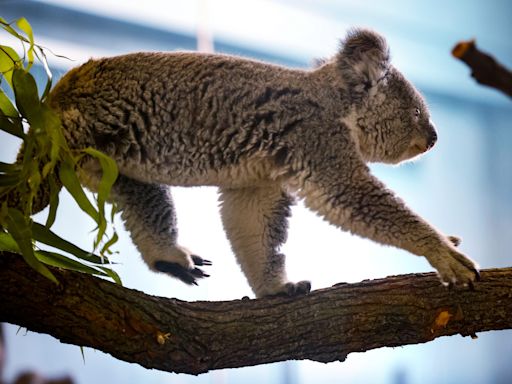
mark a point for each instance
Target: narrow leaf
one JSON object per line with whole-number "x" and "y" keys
{"x": 9, "y": 180}
{"x": 19, "y": 227}
{"x": 25, "y": 91}
{"x": 108, "y": 178}
{"x": 6, "y": 106}
{"x": 60, "y": 261}
{"x": 11, "y": 126}
{"x": 109, "y": 243}
{"x": 24, "y": 25}
{"x": 70, "y": 181}
{"x": 7, "y": 26}
{"x": 46, "y": 236}
{"x": 112, "y": 274}
{"x": 9, "y": 60}
{"x": 9, "y": 167}
{"x": 7, "y": 243}
{"x": 54, "y": 201}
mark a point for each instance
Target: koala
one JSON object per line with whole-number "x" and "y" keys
{"x": 264, "y": 135}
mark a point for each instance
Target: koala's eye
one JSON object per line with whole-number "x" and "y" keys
{"x": 417, "y": 112}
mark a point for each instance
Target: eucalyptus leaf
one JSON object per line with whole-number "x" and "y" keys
{"x": 25, "y": 91}
{"x": 7, "y": 243}
{"x": 11, "y": 126}
{"x": 46, "y": 236}
{"x": 54, "y": 201}
{"x": 9, "y": 168}
{"x": 6, "y": 106}
{"x": 70, "y": 181}
{"x": 18, "y": 226}
{"x": 108, "y": 178}
{"x": 55, "y": 259}
{"x": 109, "y": 243}
{"x": 112, "y": 274}
{"x": 9, "y": 60}
{"x": 24, "y": 25}
{"x": 9, "y": 180}
{"x": 11, "y": 30}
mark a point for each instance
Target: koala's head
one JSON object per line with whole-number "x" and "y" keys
{"x": 388, "y": 116}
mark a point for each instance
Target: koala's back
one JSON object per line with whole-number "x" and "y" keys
{"x": 179, "y": 113}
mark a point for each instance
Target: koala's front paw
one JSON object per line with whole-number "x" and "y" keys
{"x": 187, "y": 275}
{"x": 454, "y": 268}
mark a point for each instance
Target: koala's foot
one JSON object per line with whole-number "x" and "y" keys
{"x": 290, "y": 289}
{"x": 454, "y": 268}
{"x": 185, "y": 266}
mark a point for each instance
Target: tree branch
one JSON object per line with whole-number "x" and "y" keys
{"x": 484, "y": 68}
{"x": 195, "y": 337}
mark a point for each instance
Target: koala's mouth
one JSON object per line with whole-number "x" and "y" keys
{"x": 418, "y": 149}
{"x": 414, "y": 151}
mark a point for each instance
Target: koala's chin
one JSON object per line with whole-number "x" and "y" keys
{"x": 414, "y": 151}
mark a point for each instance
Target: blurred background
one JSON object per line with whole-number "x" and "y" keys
{"x": 463, "y": 186}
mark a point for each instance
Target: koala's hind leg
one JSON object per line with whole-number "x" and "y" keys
{"x": 256, "y": 222}
{"x": 149, "y": 216}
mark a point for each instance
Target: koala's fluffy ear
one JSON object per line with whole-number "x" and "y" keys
{"x": 363, "y": 59}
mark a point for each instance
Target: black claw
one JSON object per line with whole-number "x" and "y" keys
{"x": 198, "y": 273}
{"x": 471, "y": 285}
{"x": 200, "y": 261}
{"x": 174, "y": 269}
{"x": 450, "y": 285}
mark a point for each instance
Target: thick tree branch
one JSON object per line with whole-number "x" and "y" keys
{"x": 194, "y": 337}
{"x": 484, "y": 68}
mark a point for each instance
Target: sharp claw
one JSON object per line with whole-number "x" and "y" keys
{"x": 471, "y": 285}
{"x": 196, "y": 272}
{"x": 477, "y": 274}
{"x": 200, "y": 261}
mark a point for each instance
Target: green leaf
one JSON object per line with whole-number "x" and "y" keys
{"x": 57, "y": 141}
{"x": 54, "y": 201}
{"x": 9, "y": 180}
{"x": 46, "y": 236}
{"x": 112, "y": 274}
{"x": 9, "y": 60}
{"x": 11, "y": 30}
{"x": 27, "y": 98}
{"x": 19, "y": 227}
{"x": 108, "y": 178}
{"x": 49, "y": 76}
{"x": 6, "y": 106}
{"x": 24, "y": 25}
{"x": 109, "y": 243}
{"x": 70, "y": 181}
{"x": 83, "y": 353}
{"x": 60, "y": 261}
{"x": 11, "y": 126}
{"x": 7, "y": 243}
{"x": 9, "y": 167}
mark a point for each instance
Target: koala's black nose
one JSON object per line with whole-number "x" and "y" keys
{"x": 432, "y": 138}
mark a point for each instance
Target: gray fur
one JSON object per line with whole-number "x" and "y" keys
{"x": 262, "y": 133}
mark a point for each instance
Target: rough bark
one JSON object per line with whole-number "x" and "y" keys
{"x": 195, "y": 337}
{"x": 484, "y": 68}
